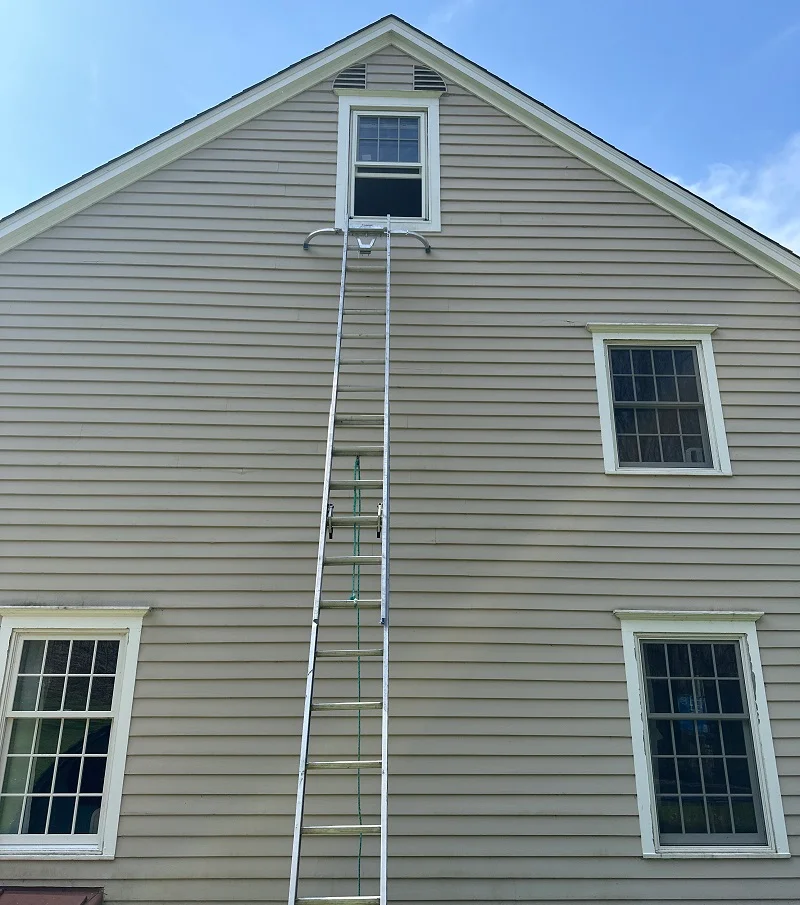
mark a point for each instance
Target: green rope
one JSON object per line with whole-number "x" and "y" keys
{"x": 354, "y": 596}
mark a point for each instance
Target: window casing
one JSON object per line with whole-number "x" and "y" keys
{"x": 706, "y": 777}
{"x": 66, "y": 701}
{"x": 660, "y": 409}
{"x": 388, "y": 160}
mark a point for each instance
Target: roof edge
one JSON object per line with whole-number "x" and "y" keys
{"x": 74, "y": 197}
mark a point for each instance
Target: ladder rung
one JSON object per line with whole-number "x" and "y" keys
{"x": 343, "y": 765}
{"x": 361, "y": 361}
{"x": 364, "y": 336}
{"x": 359, "y": 560}
{"x": 346, "y": 705}
{"x": 361, "y": 603}
{"x": 358, "y": 450}
{"x": 338, "y": 900}
{"x": 354, "y": 829}
{"x": 350, "y": 654}
{"x": 354, "y": 521}
{"x": 375, "y": 388}
{"x": 361, "y": 420}
{"x": 375, "y": 311}
{"x": 363, "y": 484}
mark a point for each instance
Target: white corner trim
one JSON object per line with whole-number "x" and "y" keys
{"x": 697, "y": 335}
{"x": 123, "y": 622}
{"x": 140, "y": 162}
{"x": 691, "y": 615}
{"x": 713, "y": 626}
{"x": 417, "y": 101}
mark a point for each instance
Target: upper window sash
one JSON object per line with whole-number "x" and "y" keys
{"x": 695, "y": 336}
{"x": 727, "y": 627}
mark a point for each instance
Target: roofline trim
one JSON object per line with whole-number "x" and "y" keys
{"x": 140, "y": 162}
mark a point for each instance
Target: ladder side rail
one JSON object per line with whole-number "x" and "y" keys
{"x": 312, "y": 654}
{"x": 384, "y": 821}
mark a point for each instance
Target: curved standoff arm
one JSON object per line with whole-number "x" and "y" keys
{"x": 417, "y": 236}
{"x": 330, "y": 230}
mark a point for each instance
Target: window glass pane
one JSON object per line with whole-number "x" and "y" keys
{"x": 32, "y": 656}
{"x": 72, "y": 736}
{"x": 661, "y": 736}
{"x": 642, "y": 361}
{"x": 49, "y": 733}
{"x": 744, "y": 815}
{"x": 730, "y": 694}
{"x": 67, "y": 773}
{"x": 714, "y": 778}
{"x": 685, "y": 738}
{"x": 81, "y": 658}
{"x": 678, "y": 659}
{"x": 668, "y": 421}
{"x": 61, "y": 814}
{"x": 708, "y": 736}
{"x": 647, "y": 421}
{"x": 35, "y": 817}
{"x": 662, "y": 360}
{"x": 16, "y": 774}
{"x": 52, "y": 693}
{"x": 88, "y": 814}
{"x": 94, "y": 771}
{"x": 26, "y": 693}
{"x": 687, "y": 389}
{"x": 22, "y": 732}
{"x": 706, "y": 696}
{"x": 665, "y": 777}
{"x": 107, "y": 653}
{"x": 669, "y": 815}
{"x": 409, "y": 128}
{"x": 645, "y": 388}
{"x": 41, "y": 779}
{"x": 368, "y": 127}
{"x": 388, "y": 152}
{"x": 726, "y": 660}
{"x": 388, "y": 128}
{"x": 623, "y": 389}
{"x": 628, "y": 449}
{"x": 620, "y": 361}
{"x": 77, "y": 693}
{"x": 102, "y": 693}
{"x": 650, "y": 448}
{"x": 666, "y": 389}
{"x": 10, "y": 813}
{"x": 625, "y": 420}
{"x": 733, "y": 736}
{"x": 672, "y": 449}
{"x": 694, "y": 814}
{"x": 702, "y": 660}
{"x": 55, "y": 660}
{"x": 409, "y": 152}
{"x": 367, "y": 150}
{"x": 719, "y": 815}
{"x": 655, "y": 661}
{"x": 98, "y": 737}
{"x": 658, "y": 694}
{"x": 684, "y": 361}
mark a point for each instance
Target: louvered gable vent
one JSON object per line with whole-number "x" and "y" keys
{"x": 427, "y": 80}
{"x": 352, "y": 77}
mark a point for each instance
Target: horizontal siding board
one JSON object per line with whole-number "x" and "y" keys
{"x": 166, "y": 357}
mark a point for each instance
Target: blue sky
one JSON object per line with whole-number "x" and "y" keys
{"x": 705, "y": 91}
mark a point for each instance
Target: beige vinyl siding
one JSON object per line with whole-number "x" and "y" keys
{"x": 166, "y": 357}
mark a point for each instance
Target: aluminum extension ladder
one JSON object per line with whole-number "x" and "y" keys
{"x": 365, "y": 436}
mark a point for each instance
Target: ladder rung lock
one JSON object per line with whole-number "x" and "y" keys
{"x": 360, "y": 420}
{"x": 361, "y": 604}
{"x": 353, "y": 560}
{"x": 346, "y": 705}
{"x": 364, "y": 450}
{"x": 338, "y": 900}
{"x": 363, "y": 484}
{"x": 355, "y": 829}
{"x": 350, "y": 654}
{"x": 343, "y": 765}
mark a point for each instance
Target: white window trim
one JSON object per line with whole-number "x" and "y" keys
{"x": 126, "y": 622}
{"x": 395, "y": 101}
{"x": 733, "y": 625}
{"x": 696, "y": 335}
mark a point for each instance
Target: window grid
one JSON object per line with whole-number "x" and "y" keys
{"x": 701, "y": 745}
{"x": 55, "y": 765}
{"x": 658, "y": 406}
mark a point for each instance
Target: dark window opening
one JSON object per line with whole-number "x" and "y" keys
{"x": 379, "y": 196}
{"x": 659, "y": 413}
{"x": 701, "y": 744}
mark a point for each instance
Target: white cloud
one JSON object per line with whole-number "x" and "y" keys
{"x": 446, "y": 13}
{"x": 766, "y": 196}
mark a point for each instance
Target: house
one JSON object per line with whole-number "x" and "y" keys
{"x": 594, "y": 397}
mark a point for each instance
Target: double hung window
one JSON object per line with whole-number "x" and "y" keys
{"x": 65, "y": 710}
{"x": 660, "y": 409}
{"x": 706, "y": 774}
{"x": 388, "y": 160}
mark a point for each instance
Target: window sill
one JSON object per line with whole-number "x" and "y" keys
{"x": 714, "y": 854}
{"x": 57, "y": 853}
{"x": 704, "y": 472}
{"x": 417, "y": 226}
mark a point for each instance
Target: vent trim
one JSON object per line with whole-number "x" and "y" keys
{"x": 425, "y": 79}
{"x": 354, "y": 77}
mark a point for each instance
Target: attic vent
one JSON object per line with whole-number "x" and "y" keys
{"x": 352, "y": 77}
{"x": 427, "y": 80}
